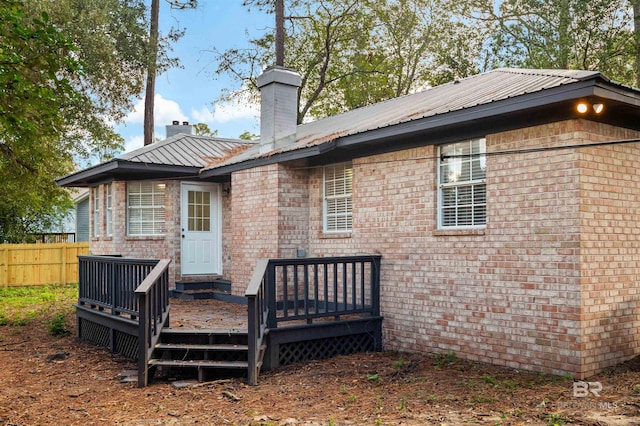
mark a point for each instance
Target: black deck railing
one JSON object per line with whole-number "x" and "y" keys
{"x": 153, "y": 302}
{"x": 108, "y": 283}
{"x": 307, "y": 290}
{"x": 133, "y": 291}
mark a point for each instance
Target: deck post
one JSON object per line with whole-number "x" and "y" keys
{"x": 143, "y": 338}
{"x": 270, "y": 294}
{"x": 272, "y": 356}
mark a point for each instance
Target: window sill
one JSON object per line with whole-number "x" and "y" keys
{"x": 335, "y": 236}
{"x": 145, "y": 237}
{"x": 458, "y": 232}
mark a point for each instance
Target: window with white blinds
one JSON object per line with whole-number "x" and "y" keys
{"x": 462, "y": 187}
{"x": 145, "y": 208}
{"x": 337, "y": 205}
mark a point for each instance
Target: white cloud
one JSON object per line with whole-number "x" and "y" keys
{"x": 134, "y": 142}
{"x": 202, "y": 115}
{"x": 164, "y": 112}
{"x": 226, "y": 112}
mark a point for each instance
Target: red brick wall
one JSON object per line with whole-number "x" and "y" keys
{"x": 156, "y": 247}
{"x": 609, "y": 247}
{"x": 255, "y": 222}
{"x": 514, "y": 293}
{"x": 166, "y": 246}
{"x": 270, "y": 208}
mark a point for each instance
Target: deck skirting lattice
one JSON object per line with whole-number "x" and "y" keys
{"x": 93, "y": 333}
{"x": 116, "y": 341}
{"x": 325, "y": 348}
{"x": 126, "y": 345}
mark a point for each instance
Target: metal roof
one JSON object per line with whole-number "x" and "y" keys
{"x": 184, "y": 150}
{"x": 180, "y": 156}
{"x": 482, "y": 89}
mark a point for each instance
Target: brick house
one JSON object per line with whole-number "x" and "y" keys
{"x": 506, "y": 208}
{"x": 136, "y": 201}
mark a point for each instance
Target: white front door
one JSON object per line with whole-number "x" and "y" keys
{"x": 201, "y": 227}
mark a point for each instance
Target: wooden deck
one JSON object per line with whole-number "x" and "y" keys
{"x": 296, "y": 309}
{"x": 209, "y": 314}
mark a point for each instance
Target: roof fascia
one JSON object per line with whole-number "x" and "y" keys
{"x": 533, "y": 100}
{"x": 112, "y": 168}
{"x": 82, "y": 175}
{"x": 617, "y": 93}
{"x": 591, "y": 86}
{"x": 265, "y": 161}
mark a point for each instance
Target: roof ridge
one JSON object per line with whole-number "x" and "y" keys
{"x": 571, "y": 74}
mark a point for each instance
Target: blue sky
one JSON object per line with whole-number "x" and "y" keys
{"x": 186, "y": 94}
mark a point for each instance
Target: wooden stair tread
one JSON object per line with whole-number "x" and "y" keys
{"x": 200, "y": 331}
{"x": 202, "y": 347}
{"x": 198, "y": 363}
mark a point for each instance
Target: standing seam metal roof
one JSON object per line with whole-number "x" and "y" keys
{"x": 184, "y": 150}
{"x": 485, "y": 88}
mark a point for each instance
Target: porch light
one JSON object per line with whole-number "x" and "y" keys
{"x": 582, "y": 108}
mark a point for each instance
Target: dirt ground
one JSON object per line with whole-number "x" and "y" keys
{"x": 46, "y": 380}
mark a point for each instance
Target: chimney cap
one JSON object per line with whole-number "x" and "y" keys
{"x": 281, "y": 75}
{"x": 175, "y": 122}
{"x": 185, "y": 123}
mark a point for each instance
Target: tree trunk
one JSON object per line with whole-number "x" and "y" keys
{"x": 151, "y": 73}
{"x": 280, "y": 33}
{"x": 636, "y": 33}
{"x": 564, "y": 38}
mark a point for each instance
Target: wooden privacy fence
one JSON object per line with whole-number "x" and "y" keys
{"x": 40, "y": 264}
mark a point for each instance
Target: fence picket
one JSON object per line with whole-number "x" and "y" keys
{"x": 40, "y": 264}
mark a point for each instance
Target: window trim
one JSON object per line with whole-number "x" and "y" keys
{"x": 347, "y": 196}
{"x": 95, "y": 198}
{"x": 108, "y": 211}
{"x": 147, "y": 208}
{"x": 467, "y": 183}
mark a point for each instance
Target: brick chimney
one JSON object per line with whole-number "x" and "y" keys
{"x": 175, "y": 127}
{"x": 278, "y": 107}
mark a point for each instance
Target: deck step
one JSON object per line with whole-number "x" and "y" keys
{"x": 209, "y": 352}
{"x": 198, "y": 347}
{"x": 198, "y": 290}
{"x": 186, "y": 336}
{"x": 199, "y": 363}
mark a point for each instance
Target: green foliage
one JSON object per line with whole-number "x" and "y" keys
{"x": 67, "y": 69}
{"x": 20, "y": 306}
{"x": 351, "y": 399}
{"x": 58, "y": 325}
{"x": 403, "y": 404}
{"x": 489, "y": 379}
{"x": 554, "y": 419}
{"x": 352, "y": 53}
{"x": 34, "y": 59}
{"x": 248, "y": 136}
{"x": 204, "y": 130}
{"x": 374, "y": 378}
{"x": 399, "y": 363}
{"x": 567, "y": 34}
{"x": 445, "y": 360}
